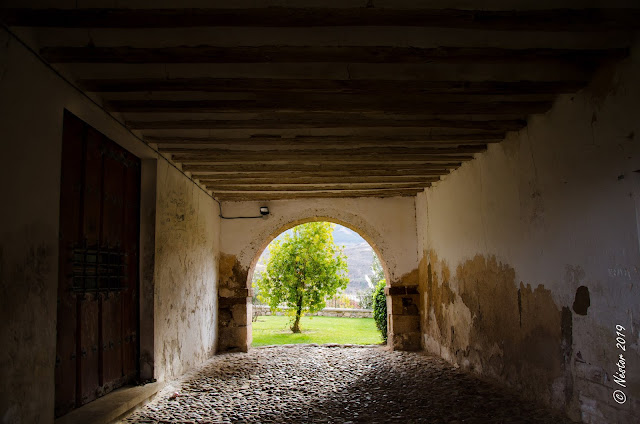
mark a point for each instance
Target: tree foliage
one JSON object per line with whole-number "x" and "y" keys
{"x": 380, "y": 308}
{"x": 305, "y": 266}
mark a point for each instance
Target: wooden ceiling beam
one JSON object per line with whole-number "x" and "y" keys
{"x": 319, "y": 160}
{"x": 219, "y": 187}
{"x": 242, "y": 196}
{"x": 346, "y": 156}
{"x": 267, "y": 169}
{"x": 288, "y": 154}
{"x": 526, "y": 20}
{"x": 334, "y": 141}
{"x": 424, "y": 172}
{"x": 365, "y": 105}
{"x": 327, "y": 120}
{"x": 255, "y": 85}
{"x": 239, "y": 179}
{"x": 340, "y": 54}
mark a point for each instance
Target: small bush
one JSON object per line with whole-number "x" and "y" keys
{"x": 380, "y": 309}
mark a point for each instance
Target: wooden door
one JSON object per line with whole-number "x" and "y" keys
{"x": 97, "y": 329}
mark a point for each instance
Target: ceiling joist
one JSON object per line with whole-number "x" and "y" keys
{"x": 279, "y": 195}
{"x": 364, "y": 105}
{"x": 334, "y": 54}
{"x": 526, "y": 20}
{"x": 333, "y": 141}
{"x": 266, "y": 169}
{"x": 363, "y": 86}
{"x": 337, "y": 120}
{"x": 314, "y": 179}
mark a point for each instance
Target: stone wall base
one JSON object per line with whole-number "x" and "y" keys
{"x": 261, "y": 310}
{"x": 404, "y": 318}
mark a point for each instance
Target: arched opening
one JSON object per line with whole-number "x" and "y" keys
{"x": 387, "y": 237}
{"x": 281, "y": 229}
{"x": 342, "y": 316}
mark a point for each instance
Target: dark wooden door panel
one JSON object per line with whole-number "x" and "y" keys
{"x": 90, "y": 309}
{"x": 98, "y": 281}
{"x": 131, "y": 295}
{"x": 112, "y": 239}
{"x": 70, "y": 230}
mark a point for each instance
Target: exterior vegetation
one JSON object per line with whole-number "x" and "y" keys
{"x": 304, "y": 268}
{"x": 380, "y": 309}
{"x": 365, "y": 297}
{"x": 272, "y": 330}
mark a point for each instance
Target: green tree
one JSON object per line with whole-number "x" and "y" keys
{"x": 305, "y": 266}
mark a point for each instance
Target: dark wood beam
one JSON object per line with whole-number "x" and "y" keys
{"x": 320, "y": 159}
{"x": 334, "y": 141}
{"x": 239, "y": 179}
{"x": 302, "y": 172}
{"x": 267, "y": 169}
{"x": 381, "y": 155}
{"x": 254, "y": 85}
{"x": 341, "y": 54}
{"x": 528, "y": 20}
{"x": 286, "y": 154}
{"x": 328, "y": 120}
{"x": 365, "y": 105}
{"x": 240, "y": 196}
{"x": 218, "y": 187}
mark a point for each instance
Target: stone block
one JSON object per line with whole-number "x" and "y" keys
{"x": 401, "y": 290}
{"x": 234, "y": 339}
{"x": 405, "y": 304}
{"x": 225, "y": 317}
{"x": 406, "y": 342}
{"x": 239, "y": 315}
{"x": 403, "y": 324}
{"x": 234, "y": 292}
{"x": 227, "y": 302}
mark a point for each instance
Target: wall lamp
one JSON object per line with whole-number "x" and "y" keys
{"x": 264, "y": 211}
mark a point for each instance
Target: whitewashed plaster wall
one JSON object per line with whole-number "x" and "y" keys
{"x": 186, "y": 274}
{"x": 387, "y": 224}
{"x": 507, "y": 239}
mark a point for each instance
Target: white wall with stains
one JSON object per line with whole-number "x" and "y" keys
{"x": 508, "y": 238}
{"x": 186, "y": 274}
{"x": 387, "y": 224}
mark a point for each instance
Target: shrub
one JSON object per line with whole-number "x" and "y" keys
{"x": 380, "y": 309}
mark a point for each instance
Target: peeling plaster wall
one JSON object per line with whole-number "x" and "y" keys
{"x": 530, "y": 253}
{"x": 186, "y": 273}
{"x": 387, "y": 224}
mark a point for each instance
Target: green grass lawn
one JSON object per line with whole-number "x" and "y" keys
{"x": 274, "y": 330}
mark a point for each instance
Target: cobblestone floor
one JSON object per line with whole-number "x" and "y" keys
{"x": 312, "y": 384}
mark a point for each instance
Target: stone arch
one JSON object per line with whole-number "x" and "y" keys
{"x": 263, "y": 245}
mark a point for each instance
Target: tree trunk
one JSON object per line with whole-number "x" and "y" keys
{"x": 296, "y": 324}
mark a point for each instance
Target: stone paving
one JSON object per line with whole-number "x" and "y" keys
{"x": 332, "y": 384}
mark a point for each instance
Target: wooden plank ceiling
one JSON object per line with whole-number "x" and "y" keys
{"x": 270, "y": 102}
